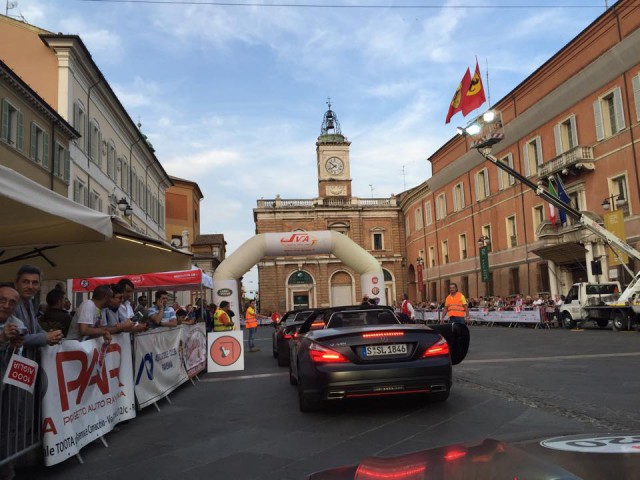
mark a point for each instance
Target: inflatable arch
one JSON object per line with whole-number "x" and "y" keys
{"x": 225, "y": 278}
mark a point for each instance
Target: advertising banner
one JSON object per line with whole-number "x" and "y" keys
{"x": 614, "y": 222}
{"x": 226, "y": 351}
{"x": 21, "y": 372}
{"x": 194, "y": 348}
{"x": 297, "y": 243}
{"x": 89, "y": 390}
{"x": 373, "y": 285}
{"x": 158, "y": 367}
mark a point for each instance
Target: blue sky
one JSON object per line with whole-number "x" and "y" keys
{"x": 233, "y": 96}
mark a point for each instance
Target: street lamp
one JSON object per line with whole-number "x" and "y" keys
{"x": 124, "y": 207}
{"x": 613, "y": 202}
{"x": 483, "y": 243}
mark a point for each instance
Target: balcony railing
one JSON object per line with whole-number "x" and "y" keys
{"x": 578, "y": 157}
{"x": 327, "y": 202}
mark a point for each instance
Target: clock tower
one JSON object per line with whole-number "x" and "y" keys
{"x": 332, "y": 152}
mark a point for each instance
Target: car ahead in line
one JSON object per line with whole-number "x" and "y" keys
{"x": 284, "y": 331}
{"x": 364, "y": 351}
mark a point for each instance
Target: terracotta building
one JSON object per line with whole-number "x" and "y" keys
{"x": 183, "y": 212}
{"x": 576, "y": 117}
{"x": 376, "y": 224}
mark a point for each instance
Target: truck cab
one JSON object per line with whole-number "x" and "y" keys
{"x": 582, "y": 302}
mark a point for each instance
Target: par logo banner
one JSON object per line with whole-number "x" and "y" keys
{"x": 21, "y": 372}
{"x": 90, "y": 390}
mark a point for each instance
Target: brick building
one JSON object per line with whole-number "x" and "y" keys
{"x": 577, "y": 116}
{"x": 376, "y": 224}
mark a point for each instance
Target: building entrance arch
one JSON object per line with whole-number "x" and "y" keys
{"x": 226, "y": 276}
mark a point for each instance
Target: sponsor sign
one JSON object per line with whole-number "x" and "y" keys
{"x": 297, "y": 243}
{"x": 225, "y": 292}
{"x": 590, "y": 443}
{"x": 194, "y": 348}
{"x": 21, "y": 372}
{"x": 225, "y": 352}
{"x": 369, "y": 282}
{"x": 158, "y": 365}
{"x": 484, "y": 264}
{"x": 90, "y": 390}
{"x": 614, "y": 222}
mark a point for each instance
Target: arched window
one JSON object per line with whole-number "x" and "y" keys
{"x": 387, "y": 275}
{"x": 300, "y": 278}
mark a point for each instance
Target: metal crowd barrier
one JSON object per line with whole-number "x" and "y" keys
{"x": 538, "y": 317}
{"x": 20, "y": 414}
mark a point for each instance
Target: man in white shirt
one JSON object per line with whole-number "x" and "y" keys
{"x": 88, "y": 321}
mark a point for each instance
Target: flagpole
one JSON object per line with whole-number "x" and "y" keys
{"x": 488, "y": 88}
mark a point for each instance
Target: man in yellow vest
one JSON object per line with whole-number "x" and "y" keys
{"x": 221, "y": 319}
{"x": 455, "y": 306}
{"x": 251, "y": 324}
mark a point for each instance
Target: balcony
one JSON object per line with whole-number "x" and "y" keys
{"x": 327, "y": 202}
{"x": 578, "y": 158}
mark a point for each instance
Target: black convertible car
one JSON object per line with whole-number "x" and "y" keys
{"x": 284, "y": 331}
{"x": 362, "y": 351}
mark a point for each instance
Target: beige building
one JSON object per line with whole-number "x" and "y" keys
{"x": 111, "y": 162}
{"x": 376, "y": 224}
{"x": 34, "y": 138}
{"x": 576, "y": 117}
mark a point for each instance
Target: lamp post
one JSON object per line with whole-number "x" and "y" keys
{"x": 483, "y": 244}
{"x": 420, "y": 266}
{"x": 613, "y": 202}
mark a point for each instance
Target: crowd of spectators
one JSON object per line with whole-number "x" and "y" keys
{"x": 499, "y": 303}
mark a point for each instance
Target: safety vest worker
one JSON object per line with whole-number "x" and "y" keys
{"x": 250, "y": 319}
{"x": 221, "y": 320}
{"x": 456, "y": 305}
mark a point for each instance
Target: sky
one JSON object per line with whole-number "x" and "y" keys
{"x": 233, "y": 96}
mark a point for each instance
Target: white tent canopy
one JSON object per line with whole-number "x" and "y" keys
{"x": 33, "y": 215}
{"x": 67, "y": 240}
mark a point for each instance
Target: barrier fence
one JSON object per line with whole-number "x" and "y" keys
{"x": 85, "y": 389}
{"x": 538, "y": 317}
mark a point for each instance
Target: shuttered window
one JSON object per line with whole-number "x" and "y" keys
{"x": 609, "y": 114}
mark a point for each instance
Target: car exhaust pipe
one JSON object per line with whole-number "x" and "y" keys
{"x": 438, "y": 388}
{"x": 339, "y": 395}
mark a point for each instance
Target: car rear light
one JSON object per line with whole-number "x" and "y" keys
{"x": 287, "y": 336}
{"x": 320, "y": 354}
{"x": 382, "y": 334}
{"x": 441, "y": 347}
{"x": 316, "y": 325}
{"x": 453, "y": 455}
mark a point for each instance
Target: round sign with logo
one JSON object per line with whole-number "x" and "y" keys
{"x": 225, "y": 351}
{"x": 375, "y": 290}
{"x": 84, "y": 283}
{"x": 374, "y": 280}
{"x": 589, "y": 443}
{"x": 225, "y": 292}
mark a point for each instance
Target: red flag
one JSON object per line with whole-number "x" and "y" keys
{"x": 475, "y": 93}
{"x": 456, "y": 101}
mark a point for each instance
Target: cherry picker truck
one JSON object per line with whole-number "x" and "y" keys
{"x": 623, "y": 309}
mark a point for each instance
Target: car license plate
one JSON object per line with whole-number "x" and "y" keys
{"x": 381, "y": 350}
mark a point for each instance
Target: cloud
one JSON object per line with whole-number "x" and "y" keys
{"x": 106, "y": 45}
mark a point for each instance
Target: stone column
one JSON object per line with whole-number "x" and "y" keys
{"x": 553, "y": 278}
{"x": 588, "y": 257}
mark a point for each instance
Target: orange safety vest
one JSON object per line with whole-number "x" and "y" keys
{"x": 455, "y": 305}
{"x": 250, "y": 320}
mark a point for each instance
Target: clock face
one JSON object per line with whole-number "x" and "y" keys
{"x": 334, "y": 166}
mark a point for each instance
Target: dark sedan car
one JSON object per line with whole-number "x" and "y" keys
{"x": 359, "y": 351}
{"x": 284, "y": 331}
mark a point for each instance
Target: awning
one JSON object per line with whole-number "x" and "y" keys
{"x": 562, "y": 253}
{"x": 193, "y": 279}
{"x": 127, "y": 252}
{"x": 33, "y": 215}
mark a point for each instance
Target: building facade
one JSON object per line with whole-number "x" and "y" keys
{"x": 576, "y": 117}
{"x": 376, "y": 224}
{"x": 183, "y": 212}
{"x": 111, "y": 162}
{"x": 34, "y": 138}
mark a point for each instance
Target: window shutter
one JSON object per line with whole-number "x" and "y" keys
{"x": 512, "y": 179}
{"x": 574, "y": 130}
{"x": 461, "y": 195}
{"x": 486, "y": 183}
{"x": 619, "y": 111}
{"x": 56, "y": 162}
{"x": 85, "y": 197}
{"x": 76, "y": 191}
{"x": 99, "y": 204}
{"x": 557, "y": 135}
{"x": 67, "y": 165}
{"x": 45, "y": 150}
{"x": 477, "y": 188}
{"x": 5, "y": 120}
{"x": 635, "y": 81}
{"x": 99, "y": 149}
{"x": 501, "y": 174}
{"x": 525, "y": 155}
{"x": 597, "y": 113}
{"x": 20, "y": 132}
{"x": 540, "y": 159}
{"x": 34, "y": 143}
{"x": 76, "y": 116}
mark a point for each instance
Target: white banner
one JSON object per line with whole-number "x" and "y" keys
{"x": 194, "y": 348}
{"x": 158, "y": 366}
{"x": 89, "y": 390}
{"x": 297, "y": 243}
{"x": 226, "y": 351}
{"x": 505, "y": 316}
